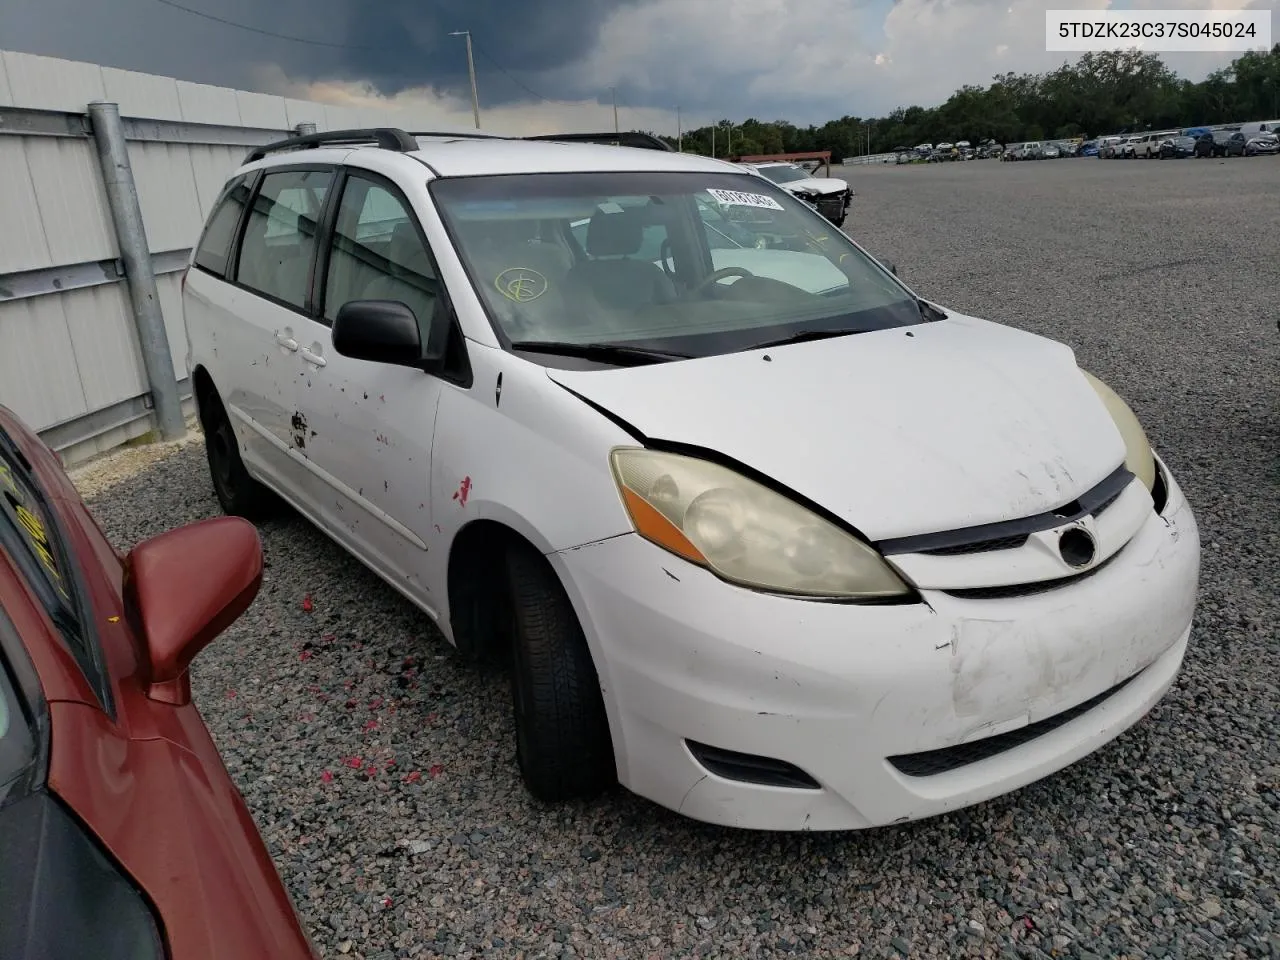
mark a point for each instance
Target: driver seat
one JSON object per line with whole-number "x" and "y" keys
{"x": 612, "y": 275}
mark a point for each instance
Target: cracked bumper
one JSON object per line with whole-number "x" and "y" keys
{"x": 835, "y": 690}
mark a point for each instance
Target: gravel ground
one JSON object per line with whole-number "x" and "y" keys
{"x": 381, "y": 770}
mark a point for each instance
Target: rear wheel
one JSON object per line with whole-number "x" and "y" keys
{"x": 238, "y": 493}
{"x": 563, "y": 746}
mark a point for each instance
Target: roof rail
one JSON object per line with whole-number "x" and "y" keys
{"x": 633, "y": 138}
{"x": 388, "y": 138}
{"x": 454, "y": 135}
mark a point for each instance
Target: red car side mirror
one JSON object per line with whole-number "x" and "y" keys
{"x": 182, "y": 589}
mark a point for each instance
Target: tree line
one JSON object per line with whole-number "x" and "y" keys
{"x": 1101, "y": 93}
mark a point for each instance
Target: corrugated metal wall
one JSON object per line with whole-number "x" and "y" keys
{"x": 69, "y": 358}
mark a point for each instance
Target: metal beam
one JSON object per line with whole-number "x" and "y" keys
{"x": 21, "y": 121}
{"x": 78, "y": 276}
{"x": 25, "y": 122}
{"x": 62, "y": 436}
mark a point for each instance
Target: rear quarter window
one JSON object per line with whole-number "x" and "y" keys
{"x": 219, "y": 233}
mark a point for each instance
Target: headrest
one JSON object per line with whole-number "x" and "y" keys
{"x": 614, "y": 234}
{"x": 406, "y": 252}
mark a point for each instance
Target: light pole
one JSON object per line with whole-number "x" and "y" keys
{"x": 614, "y": 92}
{"x": 679, "y": 132}
{"x": 471, "y": 69}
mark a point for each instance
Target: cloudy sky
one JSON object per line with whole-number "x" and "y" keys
{"x": 548, "y": 65}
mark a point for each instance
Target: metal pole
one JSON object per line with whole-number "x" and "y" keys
{"x": 679, "y": 132}
{"x": 616, "y": 131}
{"x": 471, "y": 71}
{"x": 713, "y": 140}
{"x": 131, "y": 233}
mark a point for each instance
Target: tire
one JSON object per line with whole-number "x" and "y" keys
{"x": 563, "y": 747}
{"x": 238, "y": 493}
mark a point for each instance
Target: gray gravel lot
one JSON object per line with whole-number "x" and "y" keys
{"x": 381, "y": 769}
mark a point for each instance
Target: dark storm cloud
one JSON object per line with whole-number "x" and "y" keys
{"x": 392, "y": 43}
{"x": 405, "y": 43}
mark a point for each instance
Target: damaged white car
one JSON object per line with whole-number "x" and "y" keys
{"x": 761, "y": 533}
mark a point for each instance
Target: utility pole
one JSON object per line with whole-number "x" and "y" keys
{"x": 679, "y": 132}
{"x": 471, "y": 69}
{"x": 616, "y": 131}
{"x": 713, "y": 141}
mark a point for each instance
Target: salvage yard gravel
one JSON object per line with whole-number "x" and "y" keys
{"x": 380, "y": 767}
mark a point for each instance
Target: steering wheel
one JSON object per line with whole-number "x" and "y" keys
{"x": 721, "y": 274}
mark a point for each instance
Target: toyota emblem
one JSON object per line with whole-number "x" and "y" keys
{"x": 1077, "y": 547}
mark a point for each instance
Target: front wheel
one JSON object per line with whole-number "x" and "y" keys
{"x": 238, "y": 493}
{"x": 563, "y": 746}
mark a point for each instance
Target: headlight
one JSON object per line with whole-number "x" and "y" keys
{"x": 745, "y": 532}
{"x": 1138, "y": 458}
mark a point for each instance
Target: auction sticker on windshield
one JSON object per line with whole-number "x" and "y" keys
{"x": 734, "y": 198}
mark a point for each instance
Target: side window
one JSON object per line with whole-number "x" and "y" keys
{"x": 377, "y": 253}
{"x": 215, "y": 243}
{"x": 280, "y": 237}
{"x": 28, "y": 534}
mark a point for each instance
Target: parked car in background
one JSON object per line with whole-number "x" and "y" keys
{"x": 1236, "y": 144}
{"x": 1177, "y": 147}
{"x": 1128, "y": 149}
{"x": 1050, "y": 151}
{"x": 716, "y": 604}
{"x": 1214, "y": 143}
{"x": 1089, "y": 148}
{"x": 1261, "y": 144}
{"x": 830, "y": 196}
{"x": 1109, "y": 147}
{"x": 121, "y": 833}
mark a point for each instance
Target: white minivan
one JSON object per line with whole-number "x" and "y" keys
{"x": 760, "y": 532}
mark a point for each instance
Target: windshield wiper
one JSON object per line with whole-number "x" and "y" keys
{"x": 803, "y": 336}
{"x": 617, "y": 353}
{"x": 929, "y": 312}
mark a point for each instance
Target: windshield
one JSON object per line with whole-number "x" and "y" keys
{"x": 692, "y": 263}
{"x": 784, "y": 173}
{"x": 17, "y": 742}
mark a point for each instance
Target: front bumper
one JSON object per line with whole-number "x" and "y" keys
{"x": 833, "y": 691}
{"x": 831, "y": 205}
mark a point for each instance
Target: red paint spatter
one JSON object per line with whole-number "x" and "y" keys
{"x": 305, "y": 655}
{"x": 386, "y": 901}
{"x": 326, "y": 777}
{"x": 307, "y": 605}
{"x": 370, "y": 725}
{"x": 435, "y": 770}
{"x": 355, "y": 763}
{"x": 413, "y": 777}
{"x": 463, "y": 491}
{"x": 231, "y": 694}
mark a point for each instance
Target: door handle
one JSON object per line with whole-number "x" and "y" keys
{"x": 286, "y": 341}
{"x": 314, "y": 358}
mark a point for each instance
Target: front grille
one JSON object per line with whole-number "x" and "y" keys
{"x": 1028, "y": 589}
{"x": 930, "y": 763}
{"x": 748, "y": 768}
{"x": 976, "y": 539}
{"x": 980, "y": 546}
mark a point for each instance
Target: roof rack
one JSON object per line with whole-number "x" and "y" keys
{"x": 644, "y": 141}
{"x": 454, "y": 135}
{"x": 388, "y": 138}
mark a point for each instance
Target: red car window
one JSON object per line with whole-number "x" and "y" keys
{"x": 30, "y": 535}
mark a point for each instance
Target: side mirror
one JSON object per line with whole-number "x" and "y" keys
{"x": 386, "y": 331}
{"x": 182, "y": 589}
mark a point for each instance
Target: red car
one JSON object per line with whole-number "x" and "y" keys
{"x": 121, "y": 833}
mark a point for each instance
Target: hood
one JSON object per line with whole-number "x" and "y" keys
{"x": 962, "y": 422}
{"x": 820, "y": 184}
